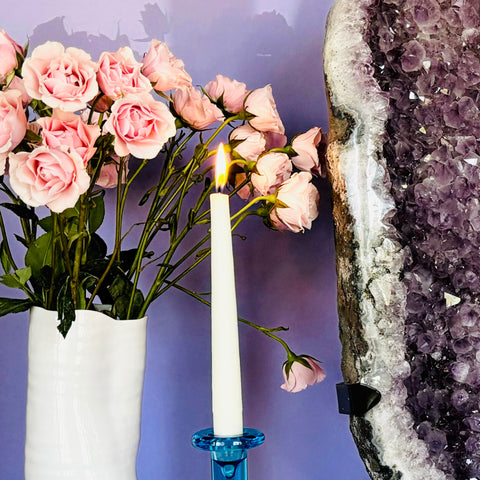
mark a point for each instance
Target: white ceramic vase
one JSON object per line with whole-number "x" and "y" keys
{"x": 84, "y": 397}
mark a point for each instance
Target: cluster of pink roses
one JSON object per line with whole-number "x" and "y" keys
{"x": 68, "y": 123}
{"x": 54, "y": 170}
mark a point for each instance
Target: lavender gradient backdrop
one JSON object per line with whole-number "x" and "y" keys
{"x": 282, "y": 279}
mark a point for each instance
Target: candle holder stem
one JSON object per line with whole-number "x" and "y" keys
{"x": 228, "y": 454}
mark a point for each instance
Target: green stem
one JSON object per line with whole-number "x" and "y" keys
{"x": 220, "y": 128}
{"x": 167, "y": 172}
{"x": 63, "y": 245}
{"x": 54, "y": 256}
{"x": 78, "y": 251}
{"x": 268, "y": 198}
{"x": 173, "y": 283}
{"x": 121, "y": 198}
{"x": 264, "y": 330}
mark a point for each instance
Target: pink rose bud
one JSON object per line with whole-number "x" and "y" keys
{"x": 275, "y": 140}
{"x": 13, "y": 124}
{"x": 195, "y": 108}
{"x": 299, "y": 377}
{"x": 52, "y": 177}
{"x": 8, "y": 55}
{"x": 246, "y": 192}
{"x": 18, "y": 84}
{"x": 120, "y": 74}
{"x": 305, "y": 145}
{"x": 231, "y": 92}
{"x": 273, "y": 169}
{"x": 253, "y": 142}
{"x": 108, "y": 177}
{"x": 260, "y": 103}
{"x": 141, "y": 125}
{"x": 301, "y": 198}
{"x": 68, "y": 129}
{"x": 101, "y": 103}
{"x": 46, "y": 78}
{"x": 164, "y": 70}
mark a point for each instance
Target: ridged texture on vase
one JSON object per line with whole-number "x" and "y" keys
{"x": 84, "y": 397}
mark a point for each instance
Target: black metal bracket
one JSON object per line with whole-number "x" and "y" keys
{"x": 356, "y": 398}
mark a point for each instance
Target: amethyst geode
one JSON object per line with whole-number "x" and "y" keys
{"x": 403, "y": 80}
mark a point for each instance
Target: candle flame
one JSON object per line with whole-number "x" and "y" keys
{"x": 220, "y": 168}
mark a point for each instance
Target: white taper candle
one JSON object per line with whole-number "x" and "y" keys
{"x": 226, "y": 375}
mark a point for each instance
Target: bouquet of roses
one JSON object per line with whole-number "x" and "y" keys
{"x": 72, "y": 128}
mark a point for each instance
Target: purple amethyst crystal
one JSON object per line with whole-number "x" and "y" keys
{"x": 432, "y": 52}
{"x": 426, "y": 80}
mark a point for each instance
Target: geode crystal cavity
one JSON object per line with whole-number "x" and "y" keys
{"x": 403, "y": 80}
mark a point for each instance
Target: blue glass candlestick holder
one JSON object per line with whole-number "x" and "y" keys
{"x": 228, "y": 454}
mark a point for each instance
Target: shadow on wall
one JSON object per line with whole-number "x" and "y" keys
{"x": 229, "y": 38}
{"x": 154, "y": 21}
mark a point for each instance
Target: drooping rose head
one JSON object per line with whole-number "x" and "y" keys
{"x": 141, "y": 125}
{"x": 274, "y": 140}
{"x": 272, "y": 169}
{"x": 298, "y": 376}
{"x": 252, "y": 142}
{"x": 164, "y": 70}
{"x": 61, "y": 78}
{"x": 231, "y": 92}
{"x": 52, "y": 177}
{"x": 108, "y": 177}
{"x": 13, "y": 123}
{"x": 195, "y": 108}
{"x": 8, "y": 55}
{"x": 260, "y": 103}
{"x": 301, "y": 198}
{"x": 119, "y": 74}
{"x": 305, "y": 145}
{"x": 68, "y": 129}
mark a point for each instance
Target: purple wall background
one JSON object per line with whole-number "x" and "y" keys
{"x": 282, "y": 279}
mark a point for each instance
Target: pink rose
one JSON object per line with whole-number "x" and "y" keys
{"x": 275, "y": 140}
{"x": 141, "y": 125}
{"x": 231, "y": 92}
{"x": 18, "y": 84}
{"x": 108, "y": 177}
{"x": 164, "y": 70}
{"x": 119, "y": 74}
{"x": 68, "y": 129}
{"x": 273, "y": 169}
{"x": 301, "y": 198}
{"x": 246, "y": 192}
{"x": 101, "y": 103}
{"x": 13, "y": 124}
{"x": 253, "y": 142}
{"x": 62, "y": 78}
{"x": 195, "y": 108}
{"x": 305, "y": 145}
{"x": 300, "y": 377}
{"x": 8, "y": 55}
{"x": 261, "y": 104}
{"x": 52, "y": 177}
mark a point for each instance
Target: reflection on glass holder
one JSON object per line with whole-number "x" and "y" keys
{"x": 229, "y": 454}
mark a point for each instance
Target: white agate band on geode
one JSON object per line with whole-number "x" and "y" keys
{"x": 371, "y": 273}
{"x": 84, "y": 397}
